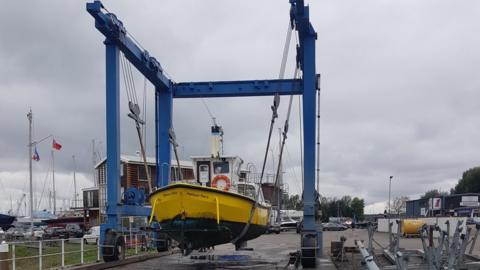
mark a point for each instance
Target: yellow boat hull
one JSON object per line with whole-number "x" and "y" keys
{"x": 197, "y": 216}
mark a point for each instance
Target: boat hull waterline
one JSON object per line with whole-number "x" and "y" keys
{"x": 200, "y": 217}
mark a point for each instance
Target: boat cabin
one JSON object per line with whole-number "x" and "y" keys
{"x": 224, "y": 173}
{"x": 221, "y": 172}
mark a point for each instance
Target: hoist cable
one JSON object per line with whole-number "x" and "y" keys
{"x": 209, "y": 112}
{"x": 284, "y": 134}
{"x": 274, "y": 107}
{"x": 145, "y": 111}
{"x": 135, "y": 111}
{"x": 134, "y": 92}
{"x": 286, "y": 49}
{"x": 126, "y": 81}
{"x": 254, "y": 206}
{"x": 173, "y": 140}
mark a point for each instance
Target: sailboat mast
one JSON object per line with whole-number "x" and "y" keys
{"x": 30, "y": 154}
{"x": 93, "y": 163}
{"x": 53, "y": 185}
{"x": 11, "y": 204}
{"x": 50, "y": 200}
{"x": 74, "y": 183}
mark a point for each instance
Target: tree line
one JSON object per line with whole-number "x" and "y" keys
{"x": 345, "y": 206}
{"x": 469, "y": 183}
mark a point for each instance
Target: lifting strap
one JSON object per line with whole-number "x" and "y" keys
{"x": 135, "y": 111}
{"x": 284, "y": 135}
{"x": 173, "y": 140}
{"x": 274, "y": 107}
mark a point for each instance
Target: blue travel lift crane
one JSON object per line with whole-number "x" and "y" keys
{"x": 117, "y": 40}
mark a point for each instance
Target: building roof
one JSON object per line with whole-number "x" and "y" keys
{"x": 90, "y": 188}
{"x": 447, "y": 196}
{"x": 133, "y": 159}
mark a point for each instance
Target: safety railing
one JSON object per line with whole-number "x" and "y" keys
{"x": 56, "y": 253}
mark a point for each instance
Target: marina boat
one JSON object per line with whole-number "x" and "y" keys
{"x": 6, "y": 221}
{"x": 218, "y": 207}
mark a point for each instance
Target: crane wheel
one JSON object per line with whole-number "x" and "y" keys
{"x": 114, "y": 247}
{"x": 308, "y": 258}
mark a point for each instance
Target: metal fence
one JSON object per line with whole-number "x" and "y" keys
{"x": 56, "y": 253}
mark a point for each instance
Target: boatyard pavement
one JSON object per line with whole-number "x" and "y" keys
{"x": 270, "y": 251}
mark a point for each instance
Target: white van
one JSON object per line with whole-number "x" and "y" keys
{"x": 91, "y": 237}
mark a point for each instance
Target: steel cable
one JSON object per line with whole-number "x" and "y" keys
{"x": 274, "y": 107}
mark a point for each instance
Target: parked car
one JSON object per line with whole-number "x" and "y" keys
{"x": 92, "y": 235}
{"x": 14, "y": 233}
{"x": 334, "y": 227}
{"x": 473, "y": 220}
{"x": 38, "y": 233}
{"x": 288, "y": 224}
{"x": 74, "y": 230}
{"x": 273, "y": 228}
{"x": 56, "y": 233}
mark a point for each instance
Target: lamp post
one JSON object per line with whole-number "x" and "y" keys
{"x": 390, "y": 236}
{"x": 389, "y": 194}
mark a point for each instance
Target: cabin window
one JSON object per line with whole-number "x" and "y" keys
{"x": 142, "y": 175}
{"x": 221, "y": 167}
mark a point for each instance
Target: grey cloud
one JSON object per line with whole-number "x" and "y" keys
{"x": 399, "y": 85}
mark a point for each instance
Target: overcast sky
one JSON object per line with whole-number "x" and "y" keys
{"x": 399, "y": 89}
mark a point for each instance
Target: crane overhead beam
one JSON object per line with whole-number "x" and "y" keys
{"x": 113, "y": 29}
{"x": 237, "y": 88}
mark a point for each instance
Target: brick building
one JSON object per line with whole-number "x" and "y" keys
{"x": 132, "y": 174}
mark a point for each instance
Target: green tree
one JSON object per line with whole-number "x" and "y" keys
{"x": 357, "y": 207}
{"x": 470, "y": 182}
{"x": 434, "y": 193}
{"x": 343, "y": 207}
{"x": 293, "y": 203}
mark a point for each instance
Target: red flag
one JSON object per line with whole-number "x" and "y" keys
{"x": 56, "y": 145}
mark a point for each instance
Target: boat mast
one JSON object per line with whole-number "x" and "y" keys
{"x": 53, "y": 185}
{"x": 30, "y": 154}
{"x": 74, "y": 183}
{"x": 93, "y": 163}
{"x": 50, "y": 200}
{"x": 217, "y": 140}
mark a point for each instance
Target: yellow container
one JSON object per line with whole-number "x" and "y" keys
{"x": 412, "y": 226}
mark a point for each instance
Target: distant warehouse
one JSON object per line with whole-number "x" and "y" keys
{"x": 466, "y": 204}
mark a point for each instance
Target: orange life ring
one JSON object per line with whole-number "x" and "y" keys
{"x": 220, "y": 178}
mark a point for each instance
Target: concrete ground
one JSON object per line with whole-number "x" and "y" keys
{"x": 271, "y": 251}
